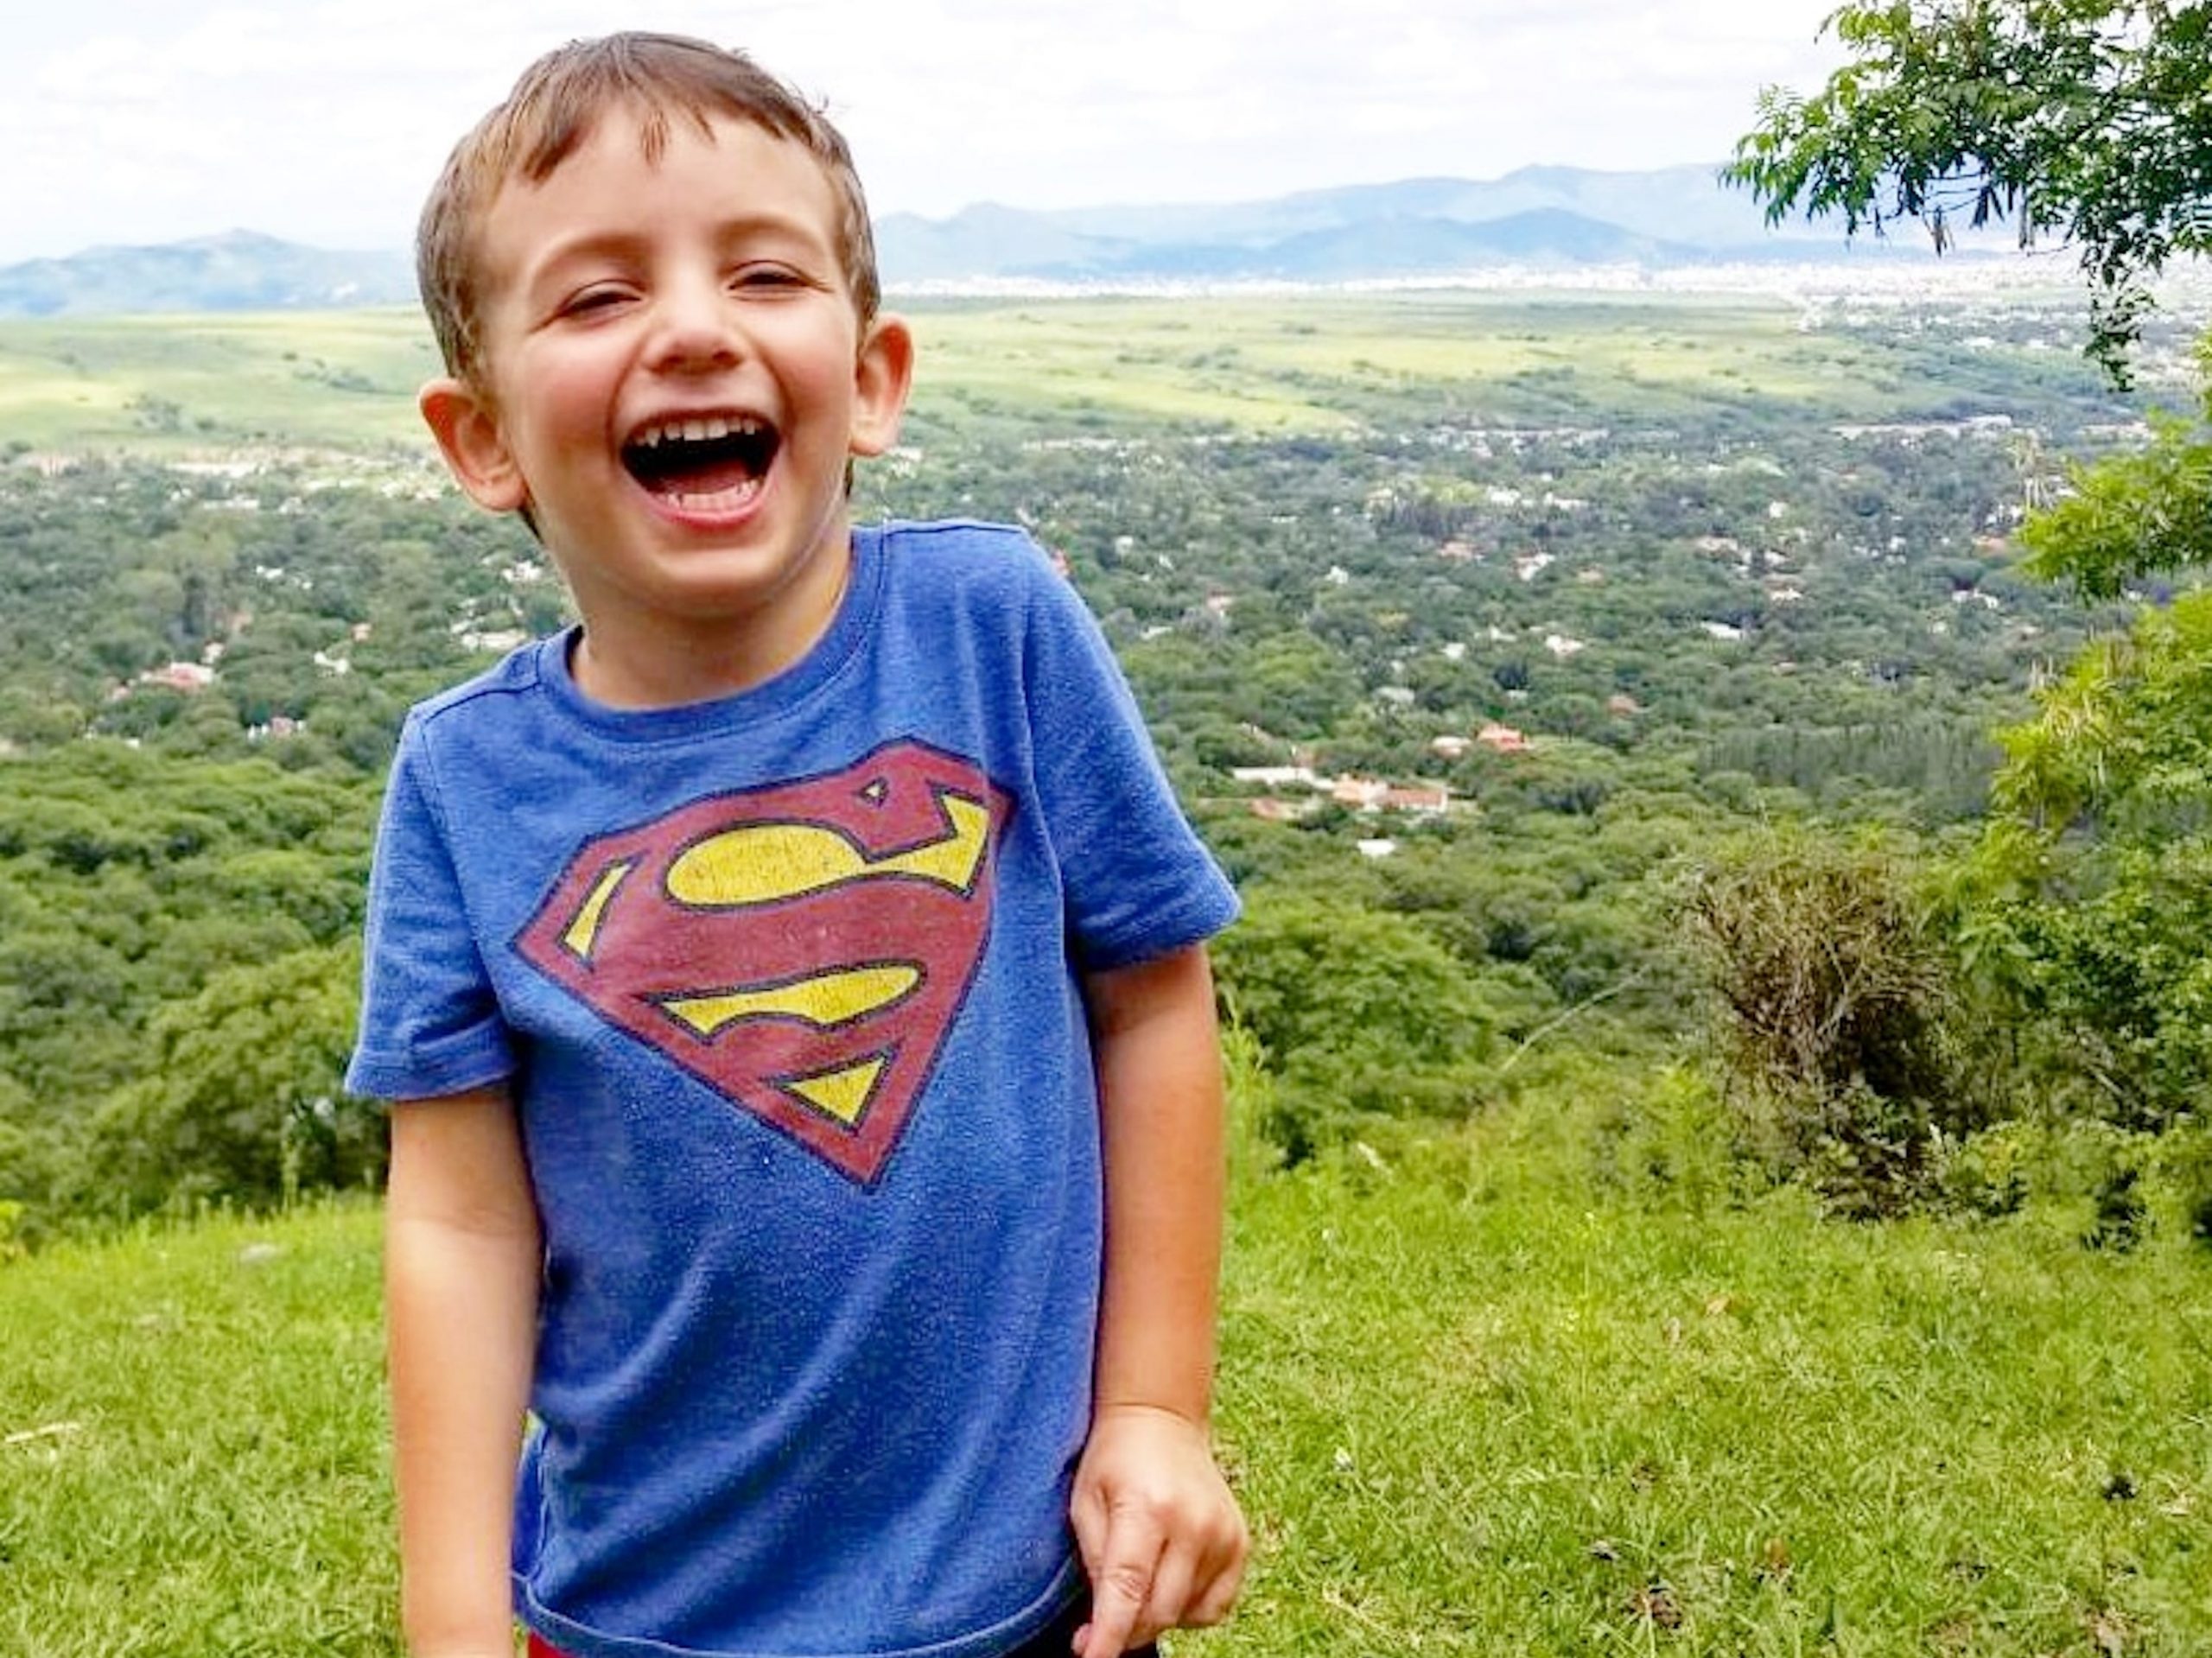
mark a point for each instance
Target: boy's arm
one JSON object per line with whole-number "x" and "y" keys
{"x": 461, "y": 1270}
{"x": 1161, "y": 1536}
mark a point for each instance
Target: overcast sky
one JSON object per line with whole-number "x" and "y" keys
{"x": 137, "y": 121}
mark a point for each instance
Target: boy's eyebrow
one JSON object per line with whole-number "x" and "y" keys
{"x": 591, "y": 243}
{"x": 546, "y": 263}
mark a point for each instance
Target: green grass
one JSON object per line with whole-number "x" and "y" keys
{"x": 192, "y": 1444}
{"x": 1480, "y": 1404}
{"x": 1477, "y": 1399}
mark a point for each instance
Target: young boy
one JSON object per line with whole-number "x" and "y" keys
{"x": 791, "y": 982}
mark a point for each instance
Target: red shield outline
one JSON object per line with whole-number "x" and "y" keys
{"x": 801, "y": 949}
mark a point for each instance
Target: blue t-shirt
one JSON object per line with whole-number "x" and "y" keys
{"x": 786, "y": 988}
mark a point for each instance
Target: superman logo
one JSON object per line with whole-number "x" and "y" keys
{"x": 802, "y": 949}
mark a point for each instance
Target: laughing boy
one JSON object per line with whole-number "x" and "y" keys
{"x": 790, "y": 983}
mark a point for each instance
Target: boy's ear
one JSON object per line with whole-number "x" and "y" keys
{"x": 880, "y": 381}
{"x": 461, "y": 418}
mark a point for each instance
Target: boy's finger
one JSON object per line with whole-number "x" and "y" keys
{"x": 1120, "y": 1586}
{"x": 1174, "y": 1586}
{"x": 1088, "y": 1516}
{"x": 1228, "y": 1567}
{"x": 1216, "y": 1597}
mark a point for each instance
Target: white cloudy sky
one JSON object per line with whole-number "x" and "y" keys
{"x": 132, "y": 121}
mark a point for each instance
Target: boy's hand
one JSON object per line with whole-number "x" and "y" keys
{"x": 1161, "y": 1537}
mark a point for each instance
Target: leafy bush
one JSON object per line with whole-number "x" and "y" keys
{"x": 1989, "y": 1174}
{"x": 1839, "y": 1010}
{"x": 2186, "y": 1160}
{"x": 2089, "y": 897}
{"x": 1673, "y": 1143}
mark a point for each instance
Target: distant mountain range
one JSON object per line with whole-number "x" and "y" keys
{"x": 239, "y": 271}
{"x": 1537, "y": 219}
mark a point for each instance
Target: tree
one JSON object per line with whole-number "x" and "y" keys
{"x": 2089, "y": 122}
{"x": 1358, "y": 1013}
{"x": 245, "y": 1102}
{"x": 2091, "y": 119}
{"x": 2090, "y": 891}
{"x": 2133, "y": 514}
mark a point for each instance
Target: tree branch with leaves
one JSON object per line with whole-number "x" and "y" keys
{"x": 2081, "y": 122}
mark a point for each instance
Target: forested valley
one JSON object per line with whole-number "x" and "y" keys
{"x": 1545, "y": 671}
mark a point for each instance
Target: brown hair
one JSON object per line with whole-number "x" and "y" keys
{"x": 550, "y": 113}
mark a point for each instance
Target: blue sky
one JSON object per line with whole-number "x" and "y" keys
{"x": 134, "y": 121}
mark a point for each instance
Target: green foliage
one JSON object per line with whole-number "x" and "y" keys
{"x": 1321, "y": 532}
{"x": 1988, "y": 1173}
{"x": 2124, "y": 740}
{"x": 2135, "y": 513}
{"x": 2083, "y": 119}
{"x": 2089, "y": 897}
{"x": 1358, "y": 1013}
{"x": 1839, "y": 1008}
{"x": 2084, "y": 905}
{"x": 1673, "y": 1143}
{"x": 2187, "y": 1153}
{"x": 243, "y": 1103}
{"x": 176, "y": 988}
{"x": 2111, "y": 979}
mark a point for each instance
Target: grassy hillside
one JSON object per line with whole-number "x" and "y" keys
{"x": 1532, "y": 1388}
{"x": 192, "y": 1438}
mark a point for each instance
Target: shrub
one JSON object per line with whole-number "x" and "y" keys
{"x": 1838, "y": 1004}
{"x": 1672, "y": 1142}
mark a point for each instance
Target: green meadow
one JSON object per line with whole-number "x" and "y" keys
{"x": 171, "y": 385}
{"x": 347, "y": 380}
{"x": 1293, "y": 363}
{"x": 1488, "y": 1391}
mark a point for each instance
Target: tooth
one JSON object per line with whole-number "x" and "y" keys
{"x": 695, "y": 430}
{"x": 716, "y": 427}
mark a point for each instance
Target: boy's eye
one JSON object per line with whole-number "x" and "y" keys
{"x": 588, "y": 300}
{"x": 767, "y": 276}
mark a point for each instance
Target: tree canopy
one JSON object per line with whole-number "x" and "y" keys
{"x": 2085, "y": 122}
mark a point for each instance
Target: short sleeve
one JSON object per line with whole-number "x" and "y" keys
{"x": 430, "y": 1022}
{"x": 1139, "y": 882}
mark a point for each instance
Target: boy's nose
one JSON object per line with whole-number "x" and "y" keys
{"x": 696, "y": 327}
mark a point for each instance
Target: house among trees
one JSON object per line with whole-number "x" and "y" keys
{"x": 185, "y": 677}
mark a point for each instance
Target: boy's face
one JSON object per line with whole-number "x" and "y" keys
{"x": 672, "y": 378}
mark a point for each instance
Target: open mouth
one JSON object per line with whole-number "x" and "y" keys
{"x": 703, "y": 460}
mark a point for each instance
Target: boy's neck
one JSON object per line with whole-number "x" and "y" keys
{"x": 633, "y": 662}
